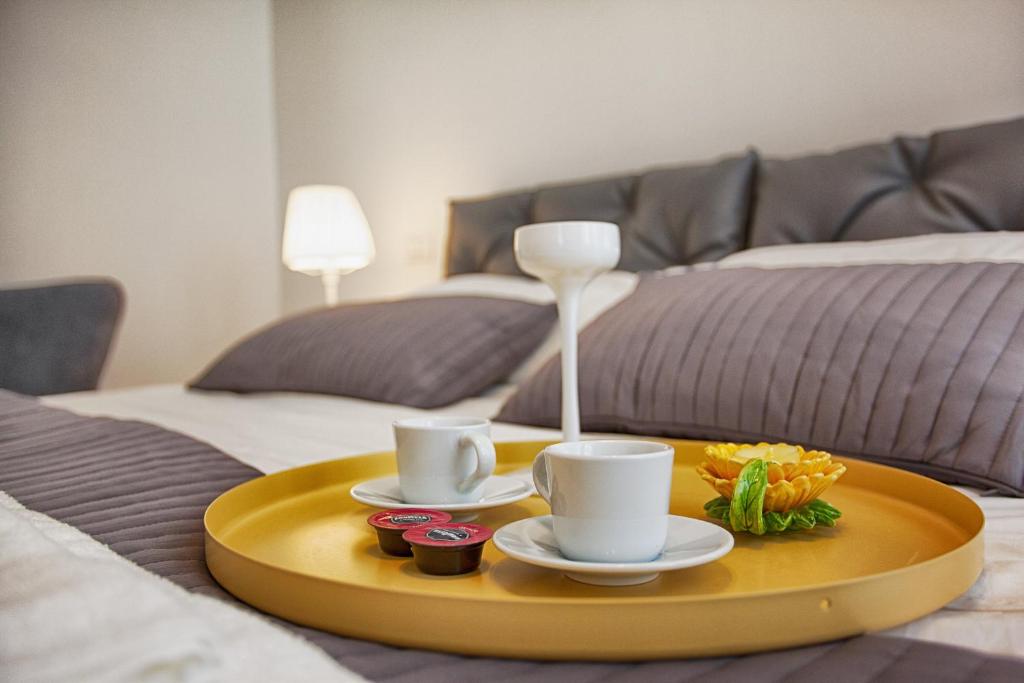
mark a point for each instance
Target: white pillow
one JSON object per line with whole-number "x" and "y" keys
{"x": 487, "y": 285}
{"x": 604, "y": 292}
{"x": 937, "y": 248}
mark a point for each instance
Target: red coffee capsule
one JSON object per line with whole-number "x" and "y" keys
{"x": 446, "y": 549}
{"x": 391, "y": 524}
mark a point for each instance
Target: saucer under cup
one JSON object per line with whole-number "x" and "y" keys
{"x": 496, "y": 491}
{"x": 690, "y": 542}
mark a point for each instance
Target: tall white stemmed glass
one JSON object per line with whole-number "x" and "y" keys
{"x": 567, "y": 255}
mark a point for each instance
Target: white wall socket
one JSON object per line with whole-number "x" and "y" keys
{"x": 421, "y": 249}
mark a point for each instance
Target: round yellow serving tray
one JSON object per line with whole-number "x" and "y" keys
{"x": 294, "y": 544}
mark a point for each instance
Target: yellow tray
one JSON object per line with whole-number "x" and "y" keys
{"x": 294, "y": 544}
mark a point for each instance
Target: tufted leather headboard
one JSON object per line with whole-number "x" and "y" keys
{"x": 961, "y": 180}
{"x": 666, "y": 216}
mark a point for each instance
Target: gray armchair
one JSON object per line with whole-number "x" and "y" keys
{"x": 55, "y": 338}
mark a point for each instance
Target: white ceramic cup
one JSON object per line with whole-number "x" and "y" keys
{"x": 609, "y": 499}
{"x": 443, "y": 459}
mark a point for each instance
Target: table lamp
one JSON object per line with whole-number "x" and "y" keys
{"x": 326, "y": 234}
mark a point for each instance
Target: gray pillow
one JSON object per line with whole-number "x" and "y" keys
{"x": 919, "y": 366}
{"x": 424, "y": 352}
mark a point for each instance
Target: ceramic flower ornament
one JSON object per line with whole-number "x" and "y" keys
{"x": 769, "y": 487}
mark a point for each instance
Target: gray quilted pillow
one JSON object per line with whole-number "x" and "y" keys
{"x": 919, "y": 366}
{"x": 423, "y": 352}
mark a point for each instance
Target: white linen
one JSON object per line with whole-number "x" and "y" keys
{"x": 71, "y": 609}
{"x": 272, "y": 432}
{"x": 602, "y": 293}
{"x": 990, "y": 615}
{"x": 276, "y": 431}
{"x": 490, "y": 285}
{"x": 934, "y": 248}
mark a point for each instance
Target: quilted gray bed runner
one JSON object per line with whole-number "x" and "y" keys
{"x": 142, "y": 491}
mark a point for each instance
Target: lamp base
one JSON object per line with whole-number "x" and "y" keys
{"x": 330, "y": 281}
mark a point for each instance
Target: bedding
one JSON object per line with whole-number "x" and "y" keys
{"x": 271, "y": 432}
{"x": 275, "y": 431}
{"x": 41, "y": 447}
{"x": 916, "y": 366}
{"x": 602, "y": 293}
{"x": 425, "y": 352}
{"x": 995, "y": 247}
{"x": 63, "y": 591}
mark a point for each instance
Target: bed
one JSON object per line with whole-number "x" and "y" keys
{"x": 852, "y": 208}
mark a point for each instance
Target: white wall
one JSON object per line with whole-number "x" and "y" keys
{"x": 137, "y": 140}
{"x": 409, "y": 103}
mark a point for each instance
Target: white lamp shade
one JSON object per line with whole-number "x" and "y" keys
{"x": 325, "y": 231}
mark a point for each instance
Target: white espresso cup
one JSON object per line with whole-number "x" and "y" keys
{"x": 443, "y": 460}
{"x": 609, "y": 499}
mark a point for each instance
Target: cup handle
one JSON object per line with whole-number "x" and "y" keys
{"x": 485, "y": 460}
{"x": 540, "y": 476}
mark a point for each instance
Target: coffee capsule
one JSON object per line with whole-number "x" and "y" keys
{"x": 446, "y": 549}
{"x": 391, "y": 524}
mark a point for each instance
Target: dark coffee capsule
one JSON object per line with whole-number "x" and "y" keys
{"x": 447, "y": 548}
{"x": 391, "y": 524}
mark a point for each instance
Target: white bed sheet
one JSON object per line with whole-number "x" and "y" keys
{"x": 62, "y": 618}
{"x": 272, "y": 432}
{"x": 957, "y": 247}
{"x": 276, "y": 431}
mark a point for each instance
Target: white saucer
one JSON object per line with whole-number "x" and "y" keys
{"x": 691, "y": 542}
{"x": 497, "y": 490}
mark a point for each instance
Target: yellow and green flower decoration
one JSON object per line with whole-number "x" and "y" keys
{"x": 769, "y": 488}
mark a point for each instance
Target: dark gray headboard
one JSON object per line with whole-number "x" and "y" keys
{"x": 667, "y": 216}
{"x": 963, "y": 180}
